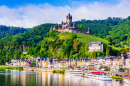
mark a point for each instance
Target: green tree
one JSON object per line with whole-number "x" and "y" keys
{"x": 108, "y": 51}
{"x": 81, "y": 27}
{"x": 110, "y": 40}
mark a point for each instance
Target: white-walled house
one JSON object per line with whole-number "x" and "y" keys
{"x": 95, "y": 46}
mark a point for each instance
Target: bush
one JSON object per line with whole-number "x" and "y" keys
{"x": 100, "y": 68}
{"x": 54, "y": 71}
{"x": 59, "y": 71}
{"x": 72, "y": 68}
{"x": 121, "y": 69}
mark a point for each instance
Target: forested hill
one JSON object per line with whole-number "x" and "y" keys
{"x": 115, "y": 30}
{"x": 101, "y": 28}
{"x": 121, "y": 33}
{"x": 13, "y": 46}
{"x": 8, "y": 31}
{"x": 70, "y": 45}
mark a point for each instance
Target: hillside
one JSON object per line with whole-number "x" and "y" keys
{"x": 116, "y": 28}
{"x": 100, "y": 28}
{"x": 39, "y": 42}
{"x": 70, "y": 45}
{"x": 121, "y": 32}
{"x": 8, "y": 31}
{"x": 107, "y": 27}
{"x": 84, "y": 38}
{"x": 12, "y": 47}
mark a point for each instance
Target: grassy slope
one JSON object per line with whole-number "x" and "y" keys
{"x": 87, "y": 38}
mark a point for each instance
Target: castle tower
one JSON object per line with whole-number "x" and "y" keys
{"x": 89, "y": 31}
{"x": 69, "y": 19}
{"x": 74, "y": 25}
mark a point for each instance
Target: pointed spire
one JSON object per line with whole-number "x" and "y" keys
{"x": 62, "y": 22}
{"x": 69, "y": 14}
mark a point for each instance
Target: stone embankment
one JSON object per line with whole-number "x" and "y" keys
{"x": 38, "y": 69}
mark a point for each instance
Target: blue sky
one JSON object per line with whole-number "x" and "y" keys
{"x": 15, "y": 3}
{"x": 30, "y": 13}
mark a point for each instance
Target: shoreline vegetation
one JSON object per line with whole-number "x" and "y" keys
{"x": 117, "y": 77}
{"x": 11, "y": 68}
{"x": 59, "y": 71}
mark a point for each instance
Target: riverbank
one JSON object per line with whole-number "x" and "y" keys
{"x": 38, "y": 69}
{"x": 11, "y": 68}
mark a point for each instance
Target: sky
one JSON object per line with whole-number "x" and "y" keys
{"x": 30, "y": 13}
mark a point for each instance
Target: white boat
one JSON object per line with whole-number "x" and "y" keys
{"x": 127, "y": 81}
{"x": 99, "y": 77}
{"x": 89, "y": 75}
{"x": 74, "y": 72}
{"x": 105, "y": 78}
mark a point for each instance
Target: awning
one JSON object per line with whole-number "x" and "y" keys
{"x": 97, "y": 72}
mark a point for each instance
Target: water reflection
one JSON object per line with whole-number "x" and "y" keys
{"x": 15, "y": 78}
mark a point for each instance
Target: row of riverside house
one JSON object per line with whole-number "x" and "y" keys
{"x": 113, "y": 62}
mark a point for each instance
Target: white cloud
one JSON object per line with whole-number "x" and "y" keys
{"x": 33, "y": 15}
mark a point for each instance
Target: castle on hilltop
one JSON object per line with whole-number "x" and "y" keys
{"x": 68, "y": 26}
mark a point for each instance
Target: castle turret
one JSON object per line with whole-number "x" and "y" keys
{"x": 74, "y": 25}
{"x": 89, "y": 31}
{"x": 69, "y": 19}
{"x": 62, "y": 22}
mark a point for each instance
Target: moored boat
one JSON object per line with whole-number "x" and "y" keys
{"x": 105, "y": 78}
{"x": 99, "y": 76}
{"x": 127, "y": 81}
{"x": 75, "y": 72}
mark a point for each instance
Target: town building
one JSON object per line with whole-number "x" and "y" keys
{"x": 25, "y": 52}
{"x": 88, "y": 63}
{"x": 69, "y": 26}
{"x": 79, "y": 62}
{"x": 95, "y": 46}
{"x": 92, "y": 63}
{"x": 73, "y": 62}
{"x": 125, "y": 55}
{"x": 122, "y": 62}
{"x": 127, "y": 63}
{"x": 116, "y": 64}
{"x": 56, "y": 63}
{"x": 64, "y": 63}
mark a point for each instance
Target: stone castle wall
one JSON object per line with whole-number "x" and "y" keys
{"x": 69, "y": 26}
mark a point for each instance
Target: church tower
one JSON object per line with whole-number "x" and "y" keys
{"x": 69, "y": 19}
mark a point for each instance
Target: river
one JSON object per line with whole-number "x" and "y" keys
{"x": 17, "y": 78}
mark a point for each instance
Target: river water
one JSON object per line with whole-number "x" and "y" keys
{"x": 17, "y": 78}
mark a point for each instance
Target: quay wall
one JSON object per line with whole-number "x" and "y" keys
{"x": 39, "y": 69}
